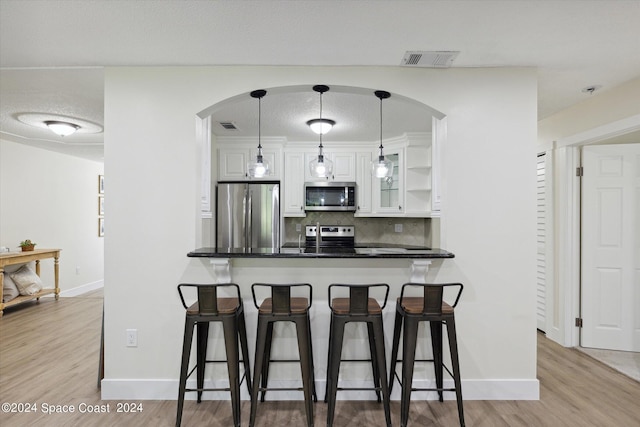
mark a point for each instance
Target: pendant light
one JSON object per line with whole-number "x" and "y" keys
{"x": 259, "y": 168}
{"x": 381, "y": 168}
{"x": 321, "y": 167}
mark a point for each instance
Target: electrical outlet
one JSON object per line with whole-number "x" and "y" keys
{"x": 77, "y": 270}
{"x": 132, "y": 337}
{"x": 398, "y": 228}
{"x": 298, "y": 227}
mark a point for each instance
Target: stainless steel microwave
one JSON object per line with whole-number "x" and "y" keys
{"x": 330, "y": 196}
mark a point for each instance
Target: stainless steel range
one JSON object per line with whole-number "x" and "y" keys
{"x": 330, "y": 238}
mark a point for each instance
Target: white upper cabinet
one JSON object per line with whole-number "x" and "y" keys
{"x": 293, "y": 184}
{"x": 388, "y": 193}
{"x": 233, "y": 157}
{"x": 410, "y": 192}
{"x": 363, "y": 181}
{"x": 344, "y": 165}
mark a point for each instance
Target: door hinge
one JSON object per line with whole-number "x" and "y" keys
{"x": 579, "y": 171}
{"x": 578, "y": 322}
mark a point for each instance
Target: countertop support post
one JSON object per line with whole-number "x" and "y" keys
{"x": 419, "y": 269}
{"x": 221, "y": 269}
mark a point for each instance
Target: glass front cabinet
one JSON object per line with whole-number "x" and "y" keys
{"x": 388, "y": 192}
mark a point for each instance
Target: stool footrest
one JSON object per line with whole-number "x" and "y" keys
{"x": 281, "y": 389}
{"x": 433, "y": 389}
{"x": 208, "y": 389}
{"x": 355, "y": 360}
{"x": 221, "y": 361}
{"x": 360, "y": 388}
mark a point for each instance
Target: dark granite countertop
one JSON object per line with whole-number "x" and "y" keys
{"x": 290, "y": 250}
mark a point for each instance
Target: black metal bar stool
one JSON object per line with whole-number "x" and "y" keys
{"x": 411, "y": 310}
{"x": 357, "y": 307}
{"x": 209, "y": 307}
{"x": 281, "y": 306}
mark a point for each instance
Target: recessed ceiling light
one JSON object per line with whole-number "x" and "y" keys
{"x": 591, "y": 89}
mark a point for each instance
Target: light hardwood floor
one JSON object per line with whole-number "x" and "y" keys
{"x": 49, "y": 355}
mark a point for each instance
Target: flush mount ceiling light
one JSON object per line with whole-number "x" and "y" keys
{"x": 60, "y": 125}
{"x": 61, "y": 128}
{"x": 259, "y": 168}
{"x": 381, "y": 168}
{"x": 321, "y": 167}
{"x": 321, "y": 126}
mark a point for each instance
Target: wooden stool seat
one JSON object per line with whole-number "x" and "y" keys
{"x": 341, "y": 306}
{"x": 225, "y": 306}
{"x": 299, "y": 305}
{"x": 415, "y": 305}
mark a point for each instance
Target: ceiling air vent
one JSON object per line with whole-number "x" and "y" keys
{"x": 429, "y": 59}
{"x": 228, "y": 125}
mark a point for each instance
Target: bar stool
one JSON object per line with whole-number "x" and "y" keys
{"x": 433, "y": 309}
{"x": 282, "y": 307}
{"x": 357, "y": 307}
{"x": 211, "y": 308}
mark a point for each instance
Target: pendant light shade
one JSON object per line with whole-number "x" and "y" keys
{"x": 381, "y": 168}
{"x": 321, "y": 167}
{"x": 258, "y": 168}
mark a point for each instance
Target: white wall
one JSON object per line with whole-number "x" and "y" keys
{"x": 488, "y": 206}
{"x": 52, "y": 199}
{"x": 595, "y": 111}
{"x": 611, "y": 113}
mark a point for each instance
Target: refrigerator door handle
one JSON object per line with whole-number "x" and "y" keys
{"x": 249, "y": 216}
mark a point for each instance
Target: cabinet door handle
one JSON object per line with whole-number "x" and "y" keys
{"x": 399, "y": 207}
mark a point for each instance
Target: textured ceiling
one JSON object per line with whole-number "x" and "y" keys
{"x": 572, "y": 43}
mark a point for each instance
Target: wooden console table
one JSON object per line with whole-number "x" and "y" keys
{"x": 24, "y": 257}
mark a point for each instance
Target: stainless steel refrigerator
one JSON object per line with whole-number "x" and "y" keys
{"x": 248, "y": 215}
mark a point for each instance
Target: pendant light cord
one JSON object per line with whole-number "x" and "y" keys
{"x": 320, "y": 119}
{"x": 381, "y": 154}
{"x": 260, "y": 126}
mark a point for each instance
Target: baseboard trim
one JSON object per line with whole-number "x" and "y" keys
{"x": 514, "y": 389}
{"x": 79, "y": 290}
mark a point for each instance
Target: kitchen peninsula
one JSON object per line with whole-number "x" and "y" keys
{"x": 370, "y": 263}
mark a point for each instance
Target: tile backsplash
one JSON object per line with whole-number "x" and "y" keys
{"x": 415, "y": 231}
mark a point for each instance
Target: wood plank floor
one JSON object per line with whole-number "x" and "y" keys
{"x": 49, "y": 355}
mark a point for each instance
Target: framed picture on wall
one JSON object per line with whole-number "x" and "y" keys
{"x": 100, "y": 227}
{"x": 100, "y": 184}
{"x": 101, "y": 205}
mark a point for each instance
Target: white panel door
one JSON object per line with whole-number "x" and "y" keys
{"x": 611, "y": 247}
